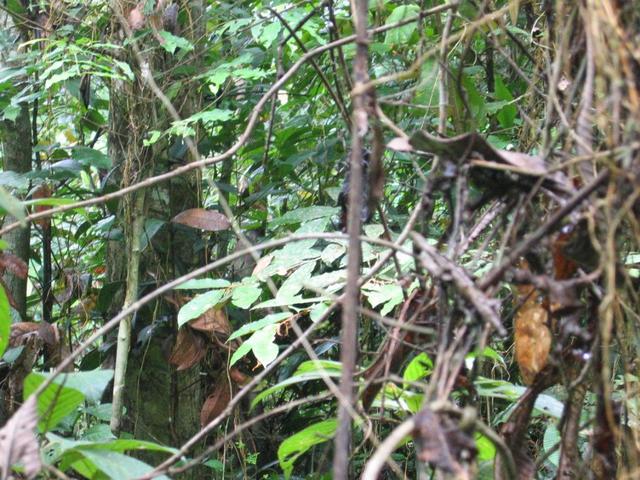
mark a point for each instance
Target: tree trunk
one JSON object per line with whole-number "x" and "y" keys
{"x": 162, "y": 405}
{"x": 17, "y": 157}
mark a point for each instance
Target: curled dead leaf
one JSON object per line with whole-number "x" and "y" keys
{"x": 213, "y": 321}
{"x": 400, "y": 144}
{"x": 203, "y": 219}
{"x": 474, "y": 148}
{"x": 238, "y": 377}
{"x": 443, "y": 444}
{"x": 136, "y": 18}
{"x": 18, "y": 442}
{"x": 532, "y": 336}
{"x": 14, "y": 264}
{"x": 43, "y": 191}
{"x": 22, "y": 331}
{"x": 262, "y": 264}
{"x": 216, "y": 402}
{"x": 188, "y": 350}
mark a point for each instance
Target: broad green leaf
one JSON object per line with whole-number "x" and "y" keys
{"x": 331, "y": 281}
{"x": 210, "y": 116}
{"x": 251, "y": 327}
{"x": 266, "y": 34}
{"x": 151, "y": 227}
{"x": 412, "y": 400}
{"x": 11, "y": 205}
{"x": 292, "y": 285}
{"x": 10, "y": 113}
{"x": 49, "y": 201}
{"x": 113, "y": 465}
{"x": 100, "y": 432}
{"x": 545, "y": 403}
{"x": 55, "y": 403}
{"x": 118, "y": 445}
{"x": 202, "y": 283}
{"x": 249, "y": 73}
{"x": 475, "y": 100}
{"x": 154, "y": 136}
{"x": 508, "y": 113}
{"x": 305, "y": 214}
{"x": 318, "y": 366}
{"x": 200, "y": 304}
{"x": 16, "y": 8}
{"x": 70, "y": 72}
{"x": 91, "y": 383}
{"x": 389, "y": 294}
{"x": 401, "y": 35}
{"x": 245, "y": 294}
{"x": 90, "y": 157}
{"x": 101, "y": 411}
{"x": 262, "y": 345}
{"x": 299, "y": 443}
{"x": 15, "y": 180}
{"x": 306, "y": 377}
{"x": 5, "y": 321}
{"x": 288, "y": 302}
{"x": 148, "y": 6}
{"x": 550, "y": 441}
{"x": 419, "y": 367}
{"x": 240, "y": 352}
{"x": 332, "y": 252}
{"x": 486, "y": 448}
{"x": 317, "y": 311}
{"x": 173, "y": 42}
{"x": 12, "y": 354}
{"x": 489, "y": 353}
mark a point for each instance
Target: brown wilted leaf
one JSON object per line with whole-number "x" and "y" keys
{"x": 14, "y": 264}
{"x": 216, "y": 402}
{"x": 400, "y": 144}
{"x": 203, "y": 219}
{"x": 18, "y": 442}
{"x": 43, "y": 191}
{"x": 136, "y": 18}
{"x": 213, "y": 321}
{"x": 532, "y": 336}
{"x": 443, "y": 444}
{"x": 22, "y": 331}
{"x": 189, "y": 349}
{"x": 464, "y": 147}
{"x": 70, "y": 282}
{"x": 262, "y": 264}
{"x": 238, "y": 377}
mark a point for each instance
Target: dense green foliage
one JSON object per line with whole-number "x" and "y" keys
{"x": 124, "y": 95}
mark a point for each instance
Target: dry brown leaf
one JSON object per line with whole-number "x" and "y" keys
{"x": 532, "y": 336}
{"x": 213, "y": 321}
{"x": 443, "y": 444}
{"x": 189, "y": 349}
{"x": 400, "y": 144}
{"x": 136, "y": 18}
{"x": 203, "y": 219}
{"x": 43, "y": 191}
{"x": 262, "y": 264}
{"x": 463, "y": 147}
{"x": 14, "y": 264}
{"x": 238, "y": 377}
{"x": 22, "y": 331}
{"x": 216, "y": 402}
{"x": 18, "y": 442}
